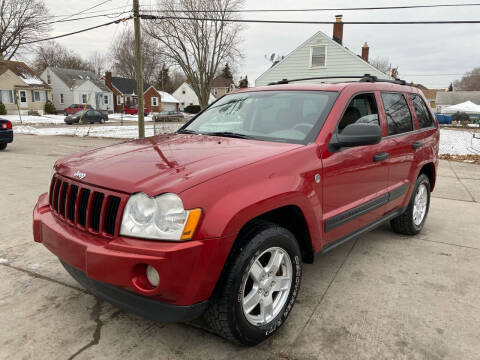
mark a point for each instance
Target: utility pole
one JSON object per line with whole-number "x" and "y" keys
{"x": 139, "y": 70}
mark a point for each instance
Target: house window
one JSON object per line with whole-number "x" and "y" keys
{"x": 49, "y": 79}
{"x": 215, "y": 91}
{"x": 154, "y": 101}
{"x": 105, "y": 99}
{"x": 318, "y": 56}
{"x": 119, "y": 100}
{"x": 62, "y": 100}
{"x": 84, "y": 98}
{"x": 183, "y": 103}
{"x": 6, "y": 96}
{"x": 183, "y": 92}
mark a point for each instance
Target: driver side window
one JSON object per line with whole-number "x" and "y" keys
{"x": 362, "y": 109}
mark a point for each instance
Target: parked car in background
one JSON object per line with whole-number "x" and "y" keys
{"x": 74, "y": 108}
{"x": 133, "y": 110}
{"x": 218, "y": 218}
{"x": 6, "y": 133}
{"x": 87, "y": 116}
{"x": 165, "y": 116}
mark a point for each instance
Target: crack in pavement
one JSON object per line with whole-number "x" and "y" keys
{"x": 325, "y": 292}
{"x": 445, "y": 243}
{"x": 461, "y": 182}
{"x": 95, "y": 316}
{"x": 46, "y": 278}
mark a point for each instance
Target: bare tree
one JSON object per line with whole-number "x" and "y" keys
{"x": 383, "y": 64}
{"x": 21, "y": 21}
{"x": 53, "y": 54}
{"x": 197, "y": 45}
{"x": 98, "y": 62}
{"x": 469, "y": 82}
{"x": 124, "y": 59}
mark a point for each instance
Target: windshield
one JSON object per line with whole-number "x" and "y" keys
{"x": 287, "y": 116}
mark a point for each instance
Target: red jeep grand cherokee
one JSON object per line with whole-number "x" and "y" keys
{"x": 217, "y": 219}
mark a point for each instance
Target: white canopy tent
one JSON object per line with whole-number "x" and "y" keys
{"x": 466, "y": 107}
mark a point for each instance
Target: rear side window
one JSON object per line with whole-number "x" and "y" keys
{"x": 361, "y": 110}
{"x": 423, "y": 115}
{"x": 397, "y": 112}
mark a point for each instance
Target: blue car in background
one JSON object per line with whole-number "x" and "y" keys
{"x": 6, "y": 133}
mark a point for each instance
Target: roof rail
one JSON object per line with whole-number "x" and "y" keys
{"x": 364, "y": 78}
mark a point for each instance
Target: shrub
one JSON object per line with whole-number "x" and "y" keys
{"x": 192, "y": 109}
{"x": 50, "y": 108}
{"x": 461, "y": 117}
{"x": 3, "y": 111}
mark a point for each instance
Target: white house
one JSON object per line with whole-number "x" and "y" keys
{"x": 321, "y": 56}
{"x": 169, "y": 103}
{"x": 186, "y": 96}
{"x": 77, "y": 87}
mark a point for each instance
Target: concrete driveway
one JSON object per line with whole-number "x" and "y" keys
{"x": 382, "y": 296}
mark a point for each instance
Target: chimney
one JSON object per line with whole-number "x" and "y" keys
{"x": 338, "y": 29}
{"x": 365, "y": 51}
{"x": 108, "y": 79}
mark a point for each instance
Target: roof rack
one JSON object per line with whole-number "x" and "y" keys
{"x": 364, "y": 78}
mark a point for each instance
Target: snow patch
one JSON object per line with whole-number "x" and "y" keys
{"x": 3, "y": 261}
{"x": 32, "y": 80}
{"x": 459, "y": 142}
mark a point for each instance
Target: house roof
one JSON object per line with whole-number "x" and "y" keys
{"x": 21, "y": 69}
{"x": 457, "y": 97}
{"x": 167, "y": 98}
{"x": 73, "y": 78}
{"x": 221, "y": 81}
{"x": 371, "y": 69}
{"x": 127, "y": 86}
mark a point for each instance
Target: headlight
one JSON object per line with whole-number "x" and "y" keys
{"x": 159, "y": 218}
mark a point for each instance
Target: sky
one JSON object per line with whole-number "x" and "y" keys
{"x": 433, "y": 55}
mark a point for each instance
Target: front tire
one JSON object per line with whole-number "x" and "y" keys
{"x": 3, "y": 146}
{"x": 258, "y": 290}
{"x": 412, "y": 220}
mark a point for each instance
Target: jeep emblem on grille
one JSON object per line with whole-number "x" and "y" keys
{"x": 80, "y": 175}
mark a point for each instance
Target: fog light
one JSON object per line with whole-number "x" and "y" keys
{"x": 153, "y": 276}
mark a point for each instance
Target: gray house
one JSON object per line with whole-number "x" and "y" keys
{"x": 321, "y": 56}
{"x": 449, "y": 98}
{"x": 77, "y": 87}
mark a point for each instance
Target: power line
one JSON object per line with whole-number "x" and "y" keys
{"x": 321, "y": 9}
{"x": 90, "y": 8}
{"x": 76, "y": 32}
{"x": 85, "y": 17}
{"x": 261, "y": 21}
{"x": 90, "y": 12}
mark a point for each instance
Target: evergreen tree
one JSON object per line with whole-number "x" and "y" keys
{"x": 450, "y": 87}
{"x": 226, "y": 72}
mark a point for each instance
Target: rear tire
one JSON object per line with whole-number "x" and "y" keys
{"x": 255, "y": 293}
{"x": 412, "y": 220}
{"x": 3, "y": 146}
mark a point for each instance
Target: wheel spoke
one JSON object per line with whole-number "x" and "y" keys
{"x": 275, "y": 262}
{"x": 251, "y": 300}
{"x": 257, "y": 271}
{"x": 281, "y": 283}
{"x": 266, "y": 308}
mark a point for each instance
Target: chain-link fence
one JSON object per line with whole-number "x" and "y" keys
{"x": 460, "y": 141}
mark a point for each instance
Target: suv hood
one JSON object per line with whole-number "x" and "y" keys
{"x": 166, "y": 163}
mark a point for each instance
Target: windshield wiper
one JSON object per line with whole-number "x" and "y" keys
{"x": 228, "y": 134}
{"x": 186, "y": 131}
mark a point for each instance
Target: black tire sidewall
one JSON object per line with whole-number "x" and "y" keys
{"x": 274, "y": 237}
{"x": 422, "y": 179}
{"x": 3, "y": 146}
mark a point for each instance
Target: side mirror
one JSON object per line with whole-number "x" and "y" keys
{"x": 357, "y": 135}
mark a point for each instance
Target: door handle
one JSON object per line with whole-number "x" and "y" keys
{"x": 381, "y": 156}
{"x": 417, "y": 145}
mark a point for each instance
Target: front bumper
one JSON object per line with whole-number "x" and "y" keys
{"x": 6, "y": 136}
{"x": 188, "y": 270}
{"x": 140, "y": 305}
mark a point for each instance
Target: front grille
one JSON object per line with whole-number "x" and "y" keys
{"x": 89, "y": 208}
